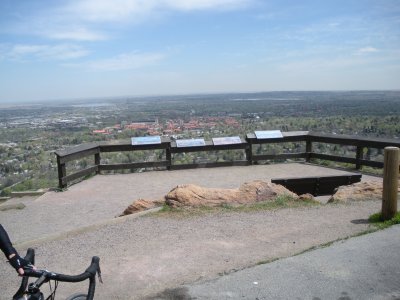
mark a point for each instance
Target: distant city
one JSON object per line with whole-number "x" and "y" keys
{"x": 30, "y": 133}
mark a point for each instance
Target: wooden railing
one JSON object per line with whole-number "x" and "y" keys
{"x": 96, "y": 149}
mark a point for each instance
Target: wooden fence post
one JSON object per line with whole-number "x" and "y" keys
{"x": 62, "y": 172}
{"x": 390, "y": 183}
{"x": 359, "y": 156}
{"x": 249, "y": 153}
{"x": 308, "y": 149}
{"x": 168, "y": 157}
{"x": 97, "y": 162}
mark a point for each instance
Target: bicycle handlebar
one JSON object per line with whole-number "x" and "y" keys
{"x": 30, "y": 256}
{"x": 89, "y": 273}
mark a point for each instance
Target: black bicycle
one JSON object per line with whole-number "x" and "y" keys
{"x": 32, "y": 291}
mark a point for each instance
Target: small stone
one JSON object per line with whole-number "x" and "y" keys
{"x": 306, "y": 197}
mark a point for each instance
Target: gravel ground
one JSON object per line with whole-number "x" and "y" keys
{"x": 143, "y": 256}
{"x": 104, "y": 197}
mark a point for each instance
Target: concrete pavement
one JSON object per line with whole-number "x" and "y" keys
{"x": 364, "y": 267}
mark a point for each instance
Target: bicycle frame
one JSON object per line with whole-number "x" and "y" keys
{"x": 46, "y": 276}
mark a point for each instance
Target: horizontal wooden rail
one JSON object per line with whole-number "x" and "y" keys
{"x": 336, "y": 158}
{"x": 279, "y": 156}
{"x": 153, "y": 164}
{"x": 352, "y": 140}
{"x": 210, "y": 165}
{"x": 79, "y": 174}
{"x": 169, "y": 147}
{"x": 80, "y": 153}
{"x": 371, "y": 163}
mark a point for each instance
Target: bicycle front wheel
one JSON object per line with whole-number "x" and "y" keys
{"x": 77, "y": 297}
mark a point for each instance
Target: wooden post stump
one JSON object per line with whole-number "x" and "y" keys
{"x": 390, "y": 183}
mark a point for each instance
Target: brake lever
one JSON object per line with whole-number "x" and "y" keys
{"x": 99, "y": 275}
{"x": 29, "y": 269}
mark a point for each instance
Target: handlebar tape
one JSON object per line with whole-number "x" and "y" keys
{"x": 89, "y": 272}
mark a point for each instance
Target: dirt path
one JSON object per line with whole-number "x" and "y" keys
{"x": 143, "y": 256}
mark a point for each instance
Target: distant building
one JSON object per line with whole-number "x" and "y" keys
{"x": 101, "y": 131}
{"x": 137, "y": 126}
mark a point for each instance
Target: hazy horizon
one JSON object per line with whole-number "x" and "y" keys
{"x": 109, "y": 99}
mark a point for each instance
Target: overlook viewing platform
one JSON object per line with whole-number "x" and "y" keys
{"x": 303, "y": 151}
{"x": 145, "y": 255}
{"x": 104, "y": 197}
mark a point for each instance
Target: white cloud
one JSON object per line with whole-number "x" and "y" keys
{"x": 81, "y": 20}
{"x": 121, "y": 10}
{"x": 43, "y": 52}
{"x": 367, "y": 50}
{"x": 334, "y": 24}
{"x": 126, "y": 61}
{"x": 320, "y": 64}
{"x": 104, "y": 10}
{"x": 77, "y": 34}
{"x": 205, "y": 4}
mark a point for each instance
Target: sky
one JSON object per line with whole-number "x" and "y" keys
{"x": 73, "y": 49}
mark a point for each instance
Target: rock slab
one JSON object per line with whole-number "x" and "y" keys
{"x": 361, "y": 191}
{"x": 191, "y": 195}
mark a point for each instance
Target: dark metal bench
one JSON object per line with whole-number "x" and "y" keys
{"x": 317, "y": 186}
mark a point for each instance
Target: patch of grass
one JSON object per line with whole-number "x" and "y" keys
{"x": 165, "y": 208}
{"x": 373, "y": 171}
{"x": 282, "y": 201}
{"x": 268, "y": 261}
{"x": 324, "y": 245}
{"x": 376, "y": 219}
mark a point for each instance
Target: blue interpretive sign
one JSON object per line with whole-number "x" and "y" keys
{"x": 228, "y": 140}
{"x": 190, "y": 143}
{"x": 146, "y": 140}
{"x": 268, "y": 134}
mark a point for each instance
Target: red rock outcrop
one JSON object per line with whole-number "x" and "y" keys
{"x": 190, "y": 195}
{"x": 194, "y": 196}
{"x": 361, "y": 191}
{"x": 141, "y": 205}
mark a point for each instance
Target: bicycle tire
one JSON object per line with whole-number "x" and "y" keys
{"x": 78, "y": 296}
